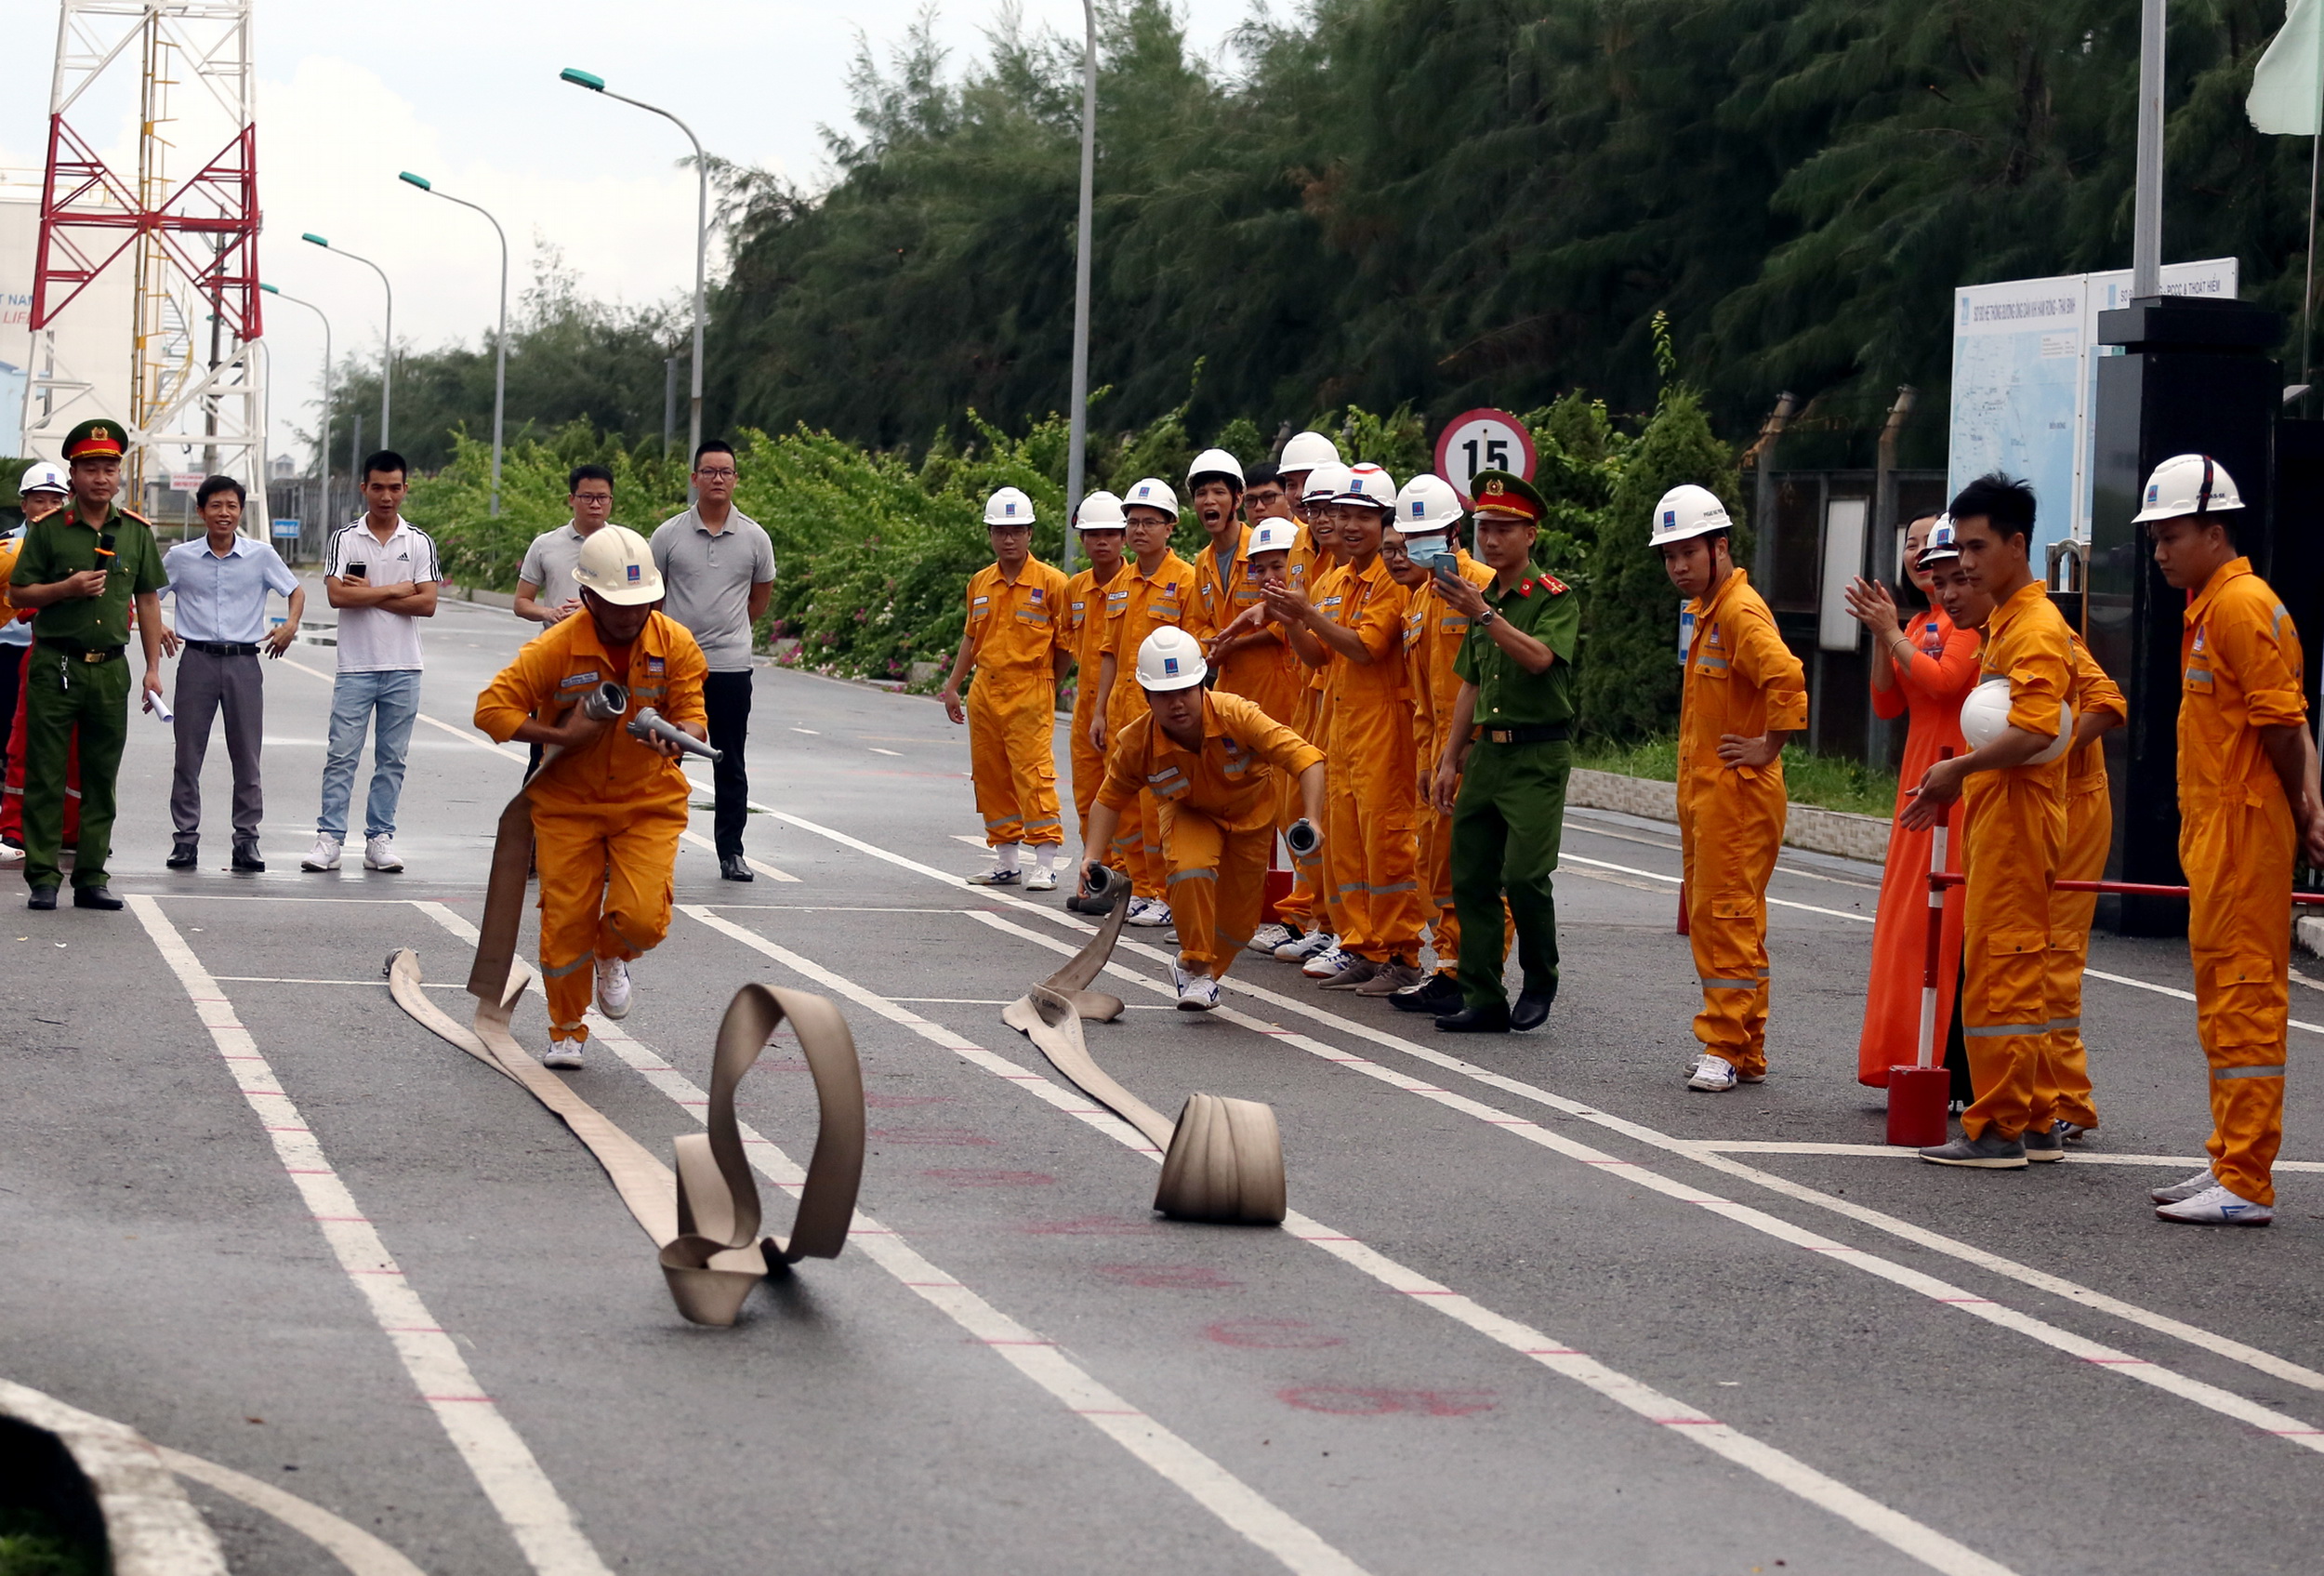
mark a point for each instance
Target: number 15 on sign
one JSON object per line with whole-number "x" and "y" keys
{"x": 1482, "y": 440}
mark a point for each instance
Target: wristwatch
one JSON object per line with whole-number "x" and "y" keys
{"x": 1486, "y": 617}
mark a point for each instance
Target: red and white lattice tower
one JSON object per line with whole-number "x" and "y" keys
{"x": 185, "y": 240}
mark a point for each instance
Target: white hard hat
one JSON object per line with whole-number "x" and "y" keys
{"x": 1308, "y": 450}
{"x": 1324, "y": 483}
{"x": 1100, "y": 511}
{"x": 1985, "y": 713}
{"x": 618, "y": 565}
{"x": 1687, "y": 511}
{"x": 1271, "y": 535}
{"x": 1427, "y": 505}
{"x": 1368, "y": 483}
{"x": 2188, "y": 483}
{"x": 1214, "y": 462}
{"x": 1154, "y": 493}
{"x": 43, "y": 476}
{"x": 1944, "y": 543}
{"x": 1171, "y": 659}
{"x": 1009, "y": 507}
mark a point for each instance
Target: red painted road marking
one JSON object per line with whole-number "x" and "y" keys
{"x": 1341, "y": 1401}
{"x": 956, "y": 1136}
{"x": 964, "y": 1178}
{"x": 1273, "y": 1334}
{"x": 1092, "y": 1225}
{"x": 1176, "y": 1277}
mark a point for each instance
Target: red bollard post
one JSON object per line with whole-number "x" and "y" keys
{"x": 1918, "y": 1094}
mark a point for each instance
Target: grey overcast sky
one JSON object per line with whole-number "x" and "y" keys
{"x": 466, "y": 93}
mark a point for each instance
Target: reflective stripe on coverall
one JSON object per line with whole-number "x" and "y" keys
{"x": 1136, "y": 605}
{"x": 1433, "y": 629}
{"x": 2012, "y": 841}
{"x": 1085, "y": 628}
{"x": 2065, "y": 1069}
{"x": 2241, "y": 670}
{"x": 605, "y": 816}
{"x": 1218, "y": 805}
{"x": 1741, "y": 679}
{"x": 1370, "y": 860}
{"x": 1014, "y": 632}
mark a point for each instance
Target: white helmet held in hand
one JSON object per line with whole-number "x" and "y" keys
{"x": 1271, "y": 535}
{"x": 1214, "y": 462}
{"x": 1324, "y": 483}
{"x": 2188, "y": 483}
{"x": 1009, "y": 507}
{"x": 1368, "y": 483}
{"x": 1687, "y": 511}
{"x": 1985, "y": 716}
{"x": 1154, "y": 493}
{"x": 616, "y": 564}
{"x": 1427, "y": 505}
{"x": 1171, "y": 659}
{"x": 1100, "y": 511}
{"x": 1308, "y": 450}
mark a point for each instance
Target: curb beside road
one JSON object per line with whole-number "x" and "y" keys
{"x": 150, "y": 1528}
{"x": 1819, "y": 831}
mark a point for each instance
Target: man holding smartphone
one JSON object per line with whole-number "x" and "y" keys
{"x": 81, "y": 568}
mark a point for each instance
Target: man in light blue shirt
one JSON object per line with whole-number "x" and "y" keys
{"x": 220, "y": 585}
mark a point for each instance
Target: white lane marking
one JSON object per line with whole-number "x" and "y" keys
{"x": 1899, "y": 1532}
{"x": 2211, "y": 1397}
{"x": 349, "y": 1544}
{"x": 807, "y": 731}
{"x": 1673, "y": 880}
{"x": 1242, "y": 1508}
{"x": 1886, "y": 1151}
{"x": 831, "y": 908}
{"x": 876, "y": 750}
{"x": 2057, "y": 1286}
{"x": 972, "y": 841}
{"x": 1583, "y": 826}
{"x": 767, "y": 870}
{"x": 505, "y": 1467}
{"x": 367, "y": 984}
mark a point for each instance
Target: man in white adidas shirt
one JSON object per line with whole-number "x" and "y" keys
{"x": 380, "y": 573}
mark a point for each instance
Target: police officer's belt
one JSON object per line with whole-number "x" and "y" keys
{"x": 80, "y": 653}
{"x": 222, "y": 648}
{"x": 1534, "y": 733}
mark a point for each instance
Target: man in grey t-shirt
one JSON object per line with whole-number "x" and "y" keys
{"x": 547, "y": 591}
{"x": 718, "y": 567}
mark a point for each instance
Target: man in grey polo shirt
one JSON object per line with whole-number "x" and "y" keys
{"x": 220, "y": 585}
{"x": 718, "y": 567}
{"x": 547, "y": 591}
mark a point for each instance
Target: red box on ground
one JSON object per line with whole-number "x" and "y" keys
{"x": 1917, "y": 1099}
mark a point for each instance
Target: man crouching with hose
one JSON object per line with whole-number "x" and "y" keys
{"x": 607, "y": 805}
{"x": 1210, "y": 760}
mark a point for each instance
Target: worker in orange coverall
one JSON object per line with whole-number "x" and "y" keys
{"x": 2098, "y": 705}
{"x": 1098, "y": 523}
{"x": 607, "y": 808}
{"x": 2013, "y": 836}
{"x": 1211, "y": 761}
{"x": 1155, "y": 589}
{"x": 1310, "y": 917}
{"x": 1353, "y": 631}
{"x": 1016, "y": 635}
{"x": 1745, "y": 695}
{"x": 2247, "y": 805}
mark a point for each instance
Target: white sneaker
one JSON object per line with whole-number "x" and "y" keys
{"x": 325, "y": 855}
{"x": 2215, "y": 1206}
{"x": 1306, "y": 947}
{"x": 564, "y": 1056}
{"x": 1329, "y": 963}
{"x": 379, "y": 854}
{"x": 1713, "y": 1075}
{"x": 1197, "y": 993}
{"x": 1267, "y": 937}
{"x": 613, "y": 986}
{"x": 1041, "y": 880}
{"x": 1149, "y": 911}
{"x": 2179, "y": 1192}
{"x": 10, "y": 855}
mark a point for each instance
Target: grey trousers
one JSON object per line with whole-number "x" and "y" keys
{"x": 205, "y": 683}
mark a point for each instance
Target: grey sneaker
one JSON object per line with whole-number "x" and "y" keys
{"x": 2179, "y": 1192}
{"x": 2070, "y": 1133}
{"x": 1988, "y": 1153}
{"x": 2047, "y": 1145}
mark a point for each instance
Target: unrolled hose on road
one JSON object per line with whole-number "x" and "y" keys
{"x": 704, "y": 1217}
{"x": 1223, "y": 1158}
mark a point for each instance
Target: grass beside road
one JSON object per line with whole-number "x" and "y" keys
{"x": 33, "y": 1544}
{"x": 1828, "y": 782}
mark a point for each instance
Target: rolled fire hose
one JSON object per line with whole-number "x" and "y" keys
{"x": 1223, "y": 1158}
{"x": 704, "y": 1217}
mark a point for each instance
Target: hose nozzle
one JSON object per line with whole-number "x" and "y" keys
{"x": 649, "y": 725}
{"x": 605, "y": 702}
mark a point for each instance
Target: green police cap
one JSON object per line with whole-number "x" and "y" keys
{"x": 1505, "y": 491}
{"x": 99, "y": 439}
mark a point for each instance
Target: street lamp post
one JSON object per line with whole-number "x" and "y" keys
{"x": 323, "y": 449}
{"x": 500, "y": 361}
{"x": 596, "y": 84}
{"x": 386, "y": 351}
{"x": 1078, "y": 423}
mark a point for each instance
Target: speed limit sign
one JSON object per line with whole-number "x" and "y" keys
{"x": 1482, "y": 440}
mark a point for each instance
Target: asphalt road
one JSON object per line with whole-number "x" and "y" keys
{"x": 1538, "y": 1307}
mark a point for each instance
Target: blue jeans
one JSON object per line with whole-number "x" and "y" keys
{"x": 355, "y": 698}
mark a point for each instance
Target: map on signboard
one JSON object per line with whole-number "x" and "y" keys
{"x": 2024, "y": 381}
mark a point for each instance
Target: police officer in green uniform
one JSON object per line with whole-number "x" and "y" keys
{"x": 1502, "y": 779}
{"x": 81, "y": 567}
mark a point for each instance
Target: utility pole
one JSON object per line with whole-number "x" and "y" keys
{"x": 1077, "y": 423}
{"x": 2147, "y": 204}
